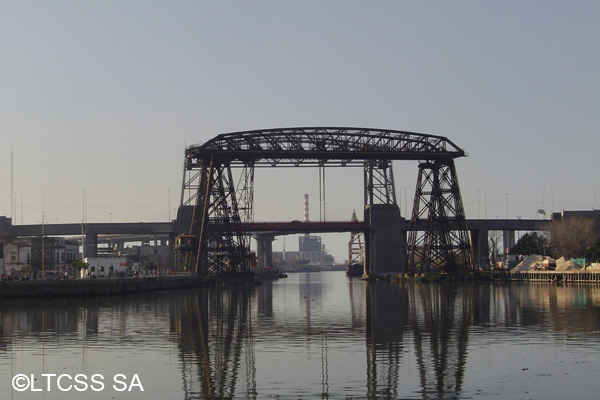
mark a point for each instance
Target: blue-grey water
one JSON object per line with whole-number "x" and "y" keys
{"x": 312, "y": 335}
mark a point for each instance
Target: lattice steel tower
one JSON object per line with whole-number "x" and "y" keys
{"x": 438, "y": 213}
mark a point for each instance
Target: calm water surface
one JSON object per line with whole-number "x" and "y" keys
{"x": 313, "y": 335}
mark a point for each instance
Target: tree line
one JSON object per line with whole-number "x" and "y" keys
{"x": 573, "y": 237}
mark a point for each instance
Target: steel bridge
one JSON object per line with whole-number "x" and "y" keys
{"x": 218, "y": 241}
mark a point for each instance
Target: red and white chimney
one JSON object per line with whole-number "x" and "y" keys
{"x": 306, "y": 208}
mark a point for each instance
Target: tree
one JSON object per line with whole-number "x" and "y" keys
{"x": 530, "y": 243}
{"x": 572, "y": 237}
{"x": 79, "y": 265}
{"x": 593, "y": 253}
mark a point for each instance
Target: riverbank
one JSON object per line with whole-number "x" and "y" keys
{"x": 548, "y": 276}
{"x": 104, "y": 286}
{"x": 494, "y": 275}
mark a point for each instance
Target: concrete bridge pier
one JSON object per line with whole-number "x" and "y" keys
{"x": 508, "y": 241}
{"x": 171, "y": 252}
{"x": 264, "y": 250}
{"x": 479, "y": 240}
{"x": 91, "y": 244}
{"x": 385, "y": 243}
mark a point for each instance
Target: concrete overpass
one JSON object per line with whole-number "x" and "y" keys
{"x": 264, "y": 231}
{"x": 91, "y": 231}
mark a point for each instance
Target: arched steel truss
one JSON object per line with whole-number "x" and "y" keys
{"x": 296, "y": 146}
{"x": 220, "y": 199}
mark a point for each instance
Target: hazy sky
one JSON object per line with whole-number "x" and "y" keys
{"x": 103, "y": 96}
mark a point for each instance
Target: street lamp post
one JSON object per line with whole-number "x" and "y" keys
{"x": 405, "y": 203}
{"x": 478, "y": 206}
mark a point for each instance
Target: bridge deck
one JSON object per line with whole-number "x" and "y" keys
{"x": 297, "y": 226}
{"x": 294, "y": 226}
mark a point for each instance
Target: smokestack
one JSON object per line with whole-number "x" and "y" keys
{"x": 306, "y": 208}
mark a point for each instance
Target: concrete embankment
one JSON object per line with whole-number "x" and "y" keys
{"x": 93, "y": 287}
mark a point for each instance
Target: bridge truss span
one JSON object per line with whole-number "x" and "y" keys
{"x": 318, "y": 146}
{"x": 223, "y": 199}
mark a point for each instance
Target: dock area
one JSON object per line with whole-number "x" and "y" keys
{"x": 547, "y": 276}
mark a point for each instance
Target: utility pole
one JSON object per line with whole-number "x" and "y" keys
{"x": 11, "y": 188}
{"x": 43, "y": 245}
{"x": 485, "y": 200}
{"x": 82, "y": 230}
{"x": 478, "y": 206}
{"x": 405, "y": 203}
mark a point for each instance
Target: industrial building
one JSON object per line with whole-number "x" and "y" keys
{"x": 311, "y": 255}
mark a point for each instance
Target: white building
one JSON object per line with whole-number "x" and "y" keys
{"x": 105, "y": 267}
{"x": 24, "y": 255}
{"x": 17, "y": 257}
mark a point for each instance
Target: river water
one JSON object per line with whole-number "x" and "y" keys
{"x": 312, "y": 335}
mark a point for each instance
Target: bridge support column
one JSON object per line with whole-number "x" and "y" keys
{"x": 384, "y": 244}
{"x": 403, "y": 252}
{"x": 91, "y": 244}
{"x": 479, "y": 240}
{"x": 171, "y": 253}
{"x": 264, "y": 250}
{"x": 508, "y": 241}
{"x": 116, "y": 245}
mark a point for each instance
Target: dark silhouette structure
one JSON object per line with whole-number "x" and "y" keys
{"x": 218, "y": 239}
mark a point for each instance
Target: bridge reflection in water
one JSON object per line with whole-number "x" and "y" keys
{"x": 214, "y": 332}
{"x": 436, "y": 318}
{"x": 305, "y": 337}
{"x": 429, "y": 324}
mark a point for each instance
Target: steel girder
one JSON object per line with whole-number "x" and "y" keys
{"x": 312, "y": 146}
{"x": 444, "y": 244}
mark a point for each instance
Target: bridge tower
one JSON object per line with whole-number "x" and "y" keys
{"x": 356, "y": 252}
{"x": 438, "y": 213}
{"x": 220, "y": 246}
{"x": 385, "y": 244}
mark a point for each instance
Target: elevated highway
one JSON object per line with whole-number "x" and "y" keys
{"x": 265, "y": 231}
{"x": 167, "y": 228}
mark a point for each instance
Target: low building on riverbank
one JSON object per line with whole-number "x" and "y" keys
{"x": 105, "y": 267}
{"x": 32, "y": 255}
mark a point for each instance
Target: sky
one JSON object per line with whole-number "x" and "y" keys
{"x": 104, "y": 96}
